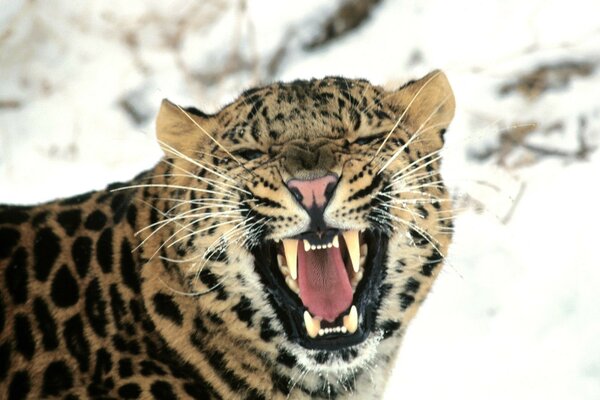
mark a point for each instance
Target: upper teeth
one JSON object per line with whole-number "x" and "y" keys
{"x": 334, "y": 243}
{"x": 290, "y": 247}
{"x": 288, "y": 262}
{"x": 353, "y": 245}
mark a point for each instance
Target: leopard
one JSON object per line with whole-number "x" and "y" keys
{"x": 278, "y": 250}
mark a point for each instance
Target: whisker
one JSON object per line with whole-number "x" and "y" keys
{"x": 214, "y": 140}
{"x": 406, "y": 110}
{"x": 193, "y": 161}
{"x": 203, "y": 230}
{"x": 416, "y": 134}
{"x": 162, "y": 185}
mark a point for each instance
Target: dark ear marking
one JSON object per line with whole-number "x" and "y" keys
{"x": 195, "y": 111}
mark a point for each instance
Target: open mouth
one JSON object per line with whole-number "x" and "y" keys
{"x": 325, "y": 285}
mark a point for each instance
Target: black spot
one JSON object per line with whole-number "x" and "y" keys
{"x": 118, "y": 205}
{"x": 442, "y": 135}
{"x": 82, "y": 254}
{"x": 70, "y": 220}
{"x": 349, "y": 354}
{"x": 131, "y": 215}
{"x": 418, "y": 238}
{"x": 431, "y": 263}
{"x": 367, "y": 190}
{"x": 46, "y": 324}
{"x": 76, "y": 200}
{"x": 104, "y": 250}
{"x": 117, "y": 305}
{"x": 234, "y": 381}
{"x": 57, "y": 378}
{"x": 39, "y": 218}
{"x": 384, "y": 291}
{"x": 76, "y": 342}
{"x": 8, "y": 239}
{"x": 244, "y": 310}
{"x": 389, "y": 327}
{"x": 321, "y": 357}
{"x": 199, "y": 325}
{"x": 19, "y": 386}
{"x": 13, "y": 216}
{"x": 165, "y": 306}
{"x": 125, "y": 368}
{"x": 95, "y": 308}
{"x": 130, "y": 276}
{"x": 2, "y": 316}
{"x": 95, "y": 221}
{"x": 266, "y": 332}
{"x": 406, "y": 300}
{"x": 422, "y": 211}
{"x": 130, "y": 391}
{"x": 162, "y": 390}
{"x": 24, "y": 336}
{"x": 136, "y": 310}
{"x": 197, "y": 391}
{"x": 215, "y": 319}
{"x": 103, "y": 366}
{"x": 412, "y": 285}
{"x": 286, "y": 359}
{"x": 16, "y": 275}
{"x": 282, "y": 383}
{"x": 4, "y": 360}
{"x": 120, "y": 343}
{"x": 64, "y": 290}
{"x": 46, "y": 249}
{"x": 213, "y": 283}
{"x": 148, "y": 368}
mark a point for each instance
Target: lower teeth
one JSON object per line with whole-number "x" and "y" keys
{"x": 313, "y": 325}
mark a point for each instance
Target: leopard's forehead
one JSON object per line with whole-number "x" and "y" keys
{"x": 331, "y": 107}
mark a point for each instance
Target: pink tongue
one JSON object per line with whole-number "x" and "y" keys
{"x": 324, "y": 285}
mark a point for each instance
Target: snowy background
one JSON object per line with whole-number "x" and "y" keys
{"x": 516, "y": 313}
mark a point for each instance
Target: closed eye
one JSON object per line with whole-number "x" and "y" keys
{"x": 369, "y": 139}
{"x": 249, "y": 154}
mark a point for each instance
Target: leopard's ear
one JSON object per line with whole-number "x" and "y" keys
{"x": 427, "y": 107}
{"x": 183, "y": 129}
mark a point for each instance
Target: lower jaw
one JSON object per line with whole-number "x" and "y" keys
{"x": 290, "y": 310}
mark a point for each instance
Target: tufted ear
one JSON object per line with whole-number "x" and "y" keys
{"x": 427, "y": 106}
{"x": 184, "y": 129}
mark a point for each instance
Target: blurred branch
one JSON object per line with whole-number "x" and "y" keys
{"x": 10, "y": 104}
{"x": 350, "y": 15}
{"x": 546, "y": 77}
{"x": 515, "y": 138}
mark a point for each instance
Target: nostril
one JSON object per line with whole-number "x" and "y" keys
{"x": 297, "y": 195}
{"x": 329, "y": 190}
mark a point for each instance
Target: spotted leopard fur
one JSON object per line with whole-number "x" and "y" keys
{"x": 148, "y": 289}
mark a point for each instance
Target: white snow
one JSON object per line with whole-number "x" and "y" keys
{"x": 516, "y": 312}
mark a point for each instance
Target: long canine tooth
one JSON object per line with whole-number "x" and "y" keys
{"x": 363, "y": 249}
{"x": 306, "y": 245}
{"x": 281, "y": 260}
{"x": 290, "y": 247}
{"x": 292, "y": 284}
{"x": 336, "y": 241}
{"x": 353, "y": 245}
{"x": 313, "y": 325}
{"x": 350, "y": 320}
